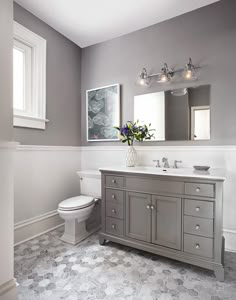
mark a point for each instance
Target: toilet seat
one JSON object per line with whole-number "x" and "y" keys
{"x": 76, "y": 203}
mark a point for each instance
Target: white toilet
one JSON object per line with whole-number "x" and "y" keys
{"x": 77, "y": 210}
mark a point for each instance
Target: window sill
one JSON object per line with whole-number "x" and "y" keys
{"x": 29, "y": 122}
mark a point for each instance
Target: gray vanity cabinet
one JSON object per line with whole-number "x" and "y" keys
{"x": 174, "y": 216}
{"x": 166, "y": 221}
{"x": 138, "y": 216}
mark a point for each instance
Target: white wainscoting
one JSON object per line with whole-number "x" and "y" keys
{"x": 44, "y": 176}
{"x": 7, "y": 282}
{"x": 215, "y": 156}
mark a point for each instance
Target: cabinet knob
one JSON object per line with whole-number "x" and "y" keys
{"x": 197, "y": 246}
{"x": 198, "y": 189}
{"x": 197, "y": 227}
{"x": 152, "y": 207}
{"x": 197, "y": 208}
{"x": 148, "y": 206}
{"x": 113, "y": 181}
{"x": 113, "y": 226}
{"x": 113, "y": 210}
{"x": 113, "y": 196}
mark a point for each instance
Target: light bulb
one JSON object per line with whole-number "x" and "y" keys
{"x": 165, "y": 74}
{"x": 144, "y": 80}
{"x": 163, "y": 78}
{"x": 188, "y": 74}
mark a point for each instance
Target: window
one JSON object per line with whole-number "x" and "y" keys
{"x": 29, "y": 78}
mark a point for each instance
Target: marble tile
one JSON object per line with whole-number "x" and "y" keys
{"x": 47, "y": 268}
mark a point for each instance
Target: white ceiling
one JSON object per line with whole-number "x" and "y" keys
{"x": 87, "y": 22}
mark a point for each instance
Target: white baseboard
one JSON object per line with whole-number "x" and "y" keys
{"x": 230, "y": 240}
{"x": 6, "y": 287}
{"x": 31, "y": 228}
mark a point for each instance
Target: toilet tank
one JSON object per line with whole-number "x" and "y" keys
{"x": 90, "y": 183}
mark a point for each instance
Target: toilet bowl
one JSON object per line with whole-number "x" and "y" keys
{"x": 77, "y": 210}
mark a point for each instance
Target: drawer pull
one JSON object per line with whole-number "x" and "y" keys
{"x": 197, "y": 227}
{"x": 198, "y": 190}
{"x": 113, "y": 181}
{"x": 148, "y": 206}
{"x": 152, "y": 207}
{"x": 197, "y": 246}
{"x": 113, "y": 211}
{"x": 197, "y": 208}
{"x": 113, "y": 196}
{"x": 113, "y": 226}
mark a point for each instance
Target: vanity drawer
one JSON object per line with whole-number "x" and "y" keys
{"x": 114, "y": 210}
{"x": 197, "y": 208}
{"x": 153, "y": 186}
{"x": 200, "y": 189}
{"x": 198, "y": 226}
{"x": 114, "y": 226}
{"x": 198, "y": 245}
{"x": 115, "y": 196}
{"x": 114, "y": 181}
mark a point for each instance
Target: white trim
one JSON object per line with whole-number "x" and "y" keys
{"x": 230, "y": 238}
{"x": 47, "y": 148}
{"x": 123, "y": 148}
{"x": 28, "y": 229}
{"x": 35, "y": 219}
{"x": 38, "y": 234}
{"x": 7, "y": 286}
{"x": 161, "y": 148}
{"x": 38, "y": 100}
{"x": 29, "y": 122}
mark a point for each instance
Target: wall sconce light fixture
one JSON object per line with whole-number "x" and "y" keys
{"x": 189, "y": 71}
{"x": 166, "y": 74}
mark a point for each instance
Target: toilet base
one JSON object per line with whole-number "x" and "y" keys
{"x": 75, "y": 232}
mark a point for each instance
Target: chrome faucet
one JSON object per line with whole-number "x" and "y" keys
{"x": 176, "y": 163}
{"x": 157, "y": 163}
{"x": 166, "y": 163}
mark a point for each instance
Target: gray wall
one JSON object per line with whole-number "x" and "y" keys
{"x": 6, "y": 71}
{"x": 207, "y": 35}
{"x": 199, "y": 96}
{"x": 6, "y": 165}
{"x": 177, "y": 117}
{"x": 63, "y": 87}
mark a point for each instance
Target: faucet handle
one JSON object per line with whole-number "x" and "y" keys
{"x": 157, "y": 161}
{"x": 176, "y": 162}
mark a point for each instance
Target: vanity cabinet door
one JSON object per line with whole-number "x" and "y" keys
{"x": 138, "y": 216}
{"x": 166, "y": 221}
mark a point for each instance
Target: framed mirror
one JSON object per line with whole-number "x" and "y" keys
{"x": 176, "y": 115}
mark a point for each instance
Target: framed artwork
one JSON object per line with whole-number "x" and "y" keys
{"x": 103, "y": 113}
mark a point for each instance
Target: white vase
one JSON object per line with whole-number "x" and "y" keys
{"x": 131, "y": 157}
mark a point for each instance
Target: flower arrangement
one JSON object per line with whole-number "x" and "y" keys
{"x": 133, "y": 131}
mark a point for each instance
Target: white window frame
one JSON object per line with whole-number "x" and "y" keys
{"x": 35, "y": 114}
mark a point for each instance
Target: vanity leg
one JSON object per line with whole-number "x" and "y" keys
{"x": 102, "y": 241}
{"x": 219, "y": 273}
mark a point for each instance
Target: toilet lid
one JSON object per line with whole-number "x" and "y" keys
{"x": 76, "y": 202}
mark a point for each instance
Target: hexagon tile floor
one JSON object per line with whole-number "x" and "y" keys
{"x": 47, "y": 268}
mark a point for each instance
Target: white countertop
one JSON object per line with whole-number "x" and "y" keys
{"x": 211, "y": 174}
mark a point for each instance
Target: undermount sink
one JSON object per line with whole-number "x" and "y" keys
{"x": 164, "y": 170}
